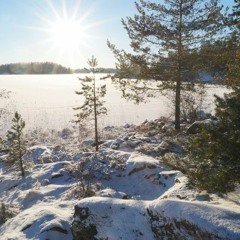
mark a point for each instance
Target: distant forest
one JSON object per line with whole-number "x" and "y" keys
{"x": 43, "y": 68}
{"x": 34, "y": 68}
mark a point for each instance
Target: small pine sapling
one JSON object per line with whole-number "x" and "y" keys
{"x": 93, "y": 99}
{"x": 16, "y": 143}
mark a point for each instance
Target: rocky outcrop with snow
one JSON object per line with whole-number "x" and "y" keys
{"x": 109, "y": 218}
{"x": 158, "y": 206}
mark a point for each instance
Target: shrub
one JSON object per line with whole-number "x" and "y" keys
{"x": 3, "y": 213}
{"x": 92, "y": 168}
{"x": 192, "y": 104}
{"x": 85, "y": 171}
{"x": 6, "y": 212}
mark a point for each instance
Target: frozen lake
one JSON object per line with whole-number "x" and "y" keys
{"x": 47, "y": 101}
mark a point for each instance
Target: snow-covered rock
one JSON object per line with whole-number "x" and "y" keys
{"x": 107, "y": 218}
{"x": 171, "y": 219}
{"x": 40, "y": 221}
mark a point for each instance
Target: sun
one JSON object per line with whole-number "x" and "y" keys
{"x": 68, "y": 30}
{"x": 67, "y": 27}
{"x": 67, "y": 35}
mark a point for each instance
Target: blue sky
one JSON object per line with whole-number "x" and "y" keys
{"x": 30, "y": 30}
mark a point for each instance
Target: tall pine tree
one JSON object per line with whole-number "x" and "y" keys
{"x": 162, "y": 37}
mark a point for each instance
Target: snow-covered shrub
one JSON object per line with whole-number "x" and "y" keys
{"x": 65, "y": 133}
{"x": 7, "y": 212}
{"x": 192, "y": 104}
{"x": 175, "y": 162}
{"x": 149, "y": 149}
{"x": 85, "y": 171}
{"x": 40, "y": 136}
{"x": 3, "y": 213}
{"x": 93, "y": 168}
{"x": 45, "y": 158}
{"x": 117, "y": 162}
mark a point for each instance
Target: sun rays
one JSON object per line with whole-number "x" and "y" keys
{"x": 68, "y": 29}
{"x": 68, "y": 35}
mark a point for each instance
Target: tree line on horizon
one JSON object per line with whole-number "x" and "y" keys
{"x": 34, "y": 68}
{"x": 44, "y": 68}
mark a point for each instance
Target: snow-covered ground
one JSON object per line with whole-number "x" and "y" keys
{"x": 137, "y": 197}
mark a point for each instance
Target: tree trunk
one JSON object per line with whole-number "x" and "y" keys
{"x": 20, "y": 155}
{"x": 21, "y": 167}
{"x": 177, "y": 104}
{"x": 95, "y": 115}
{"x": 96, "y": 130}
{"x": 179, "y": 71}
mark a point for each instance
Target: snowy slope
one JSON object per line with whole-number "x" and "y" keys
{"x": 39, "y": 202}
{"x": 139, "y": 199}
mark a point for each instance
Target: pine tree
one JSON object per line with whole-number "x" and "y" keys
{"x": 163, "y": 36}
{"x": 93, "y": 105}
{"x": 214, "y": 154}
{"x": 16, "y": 143}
